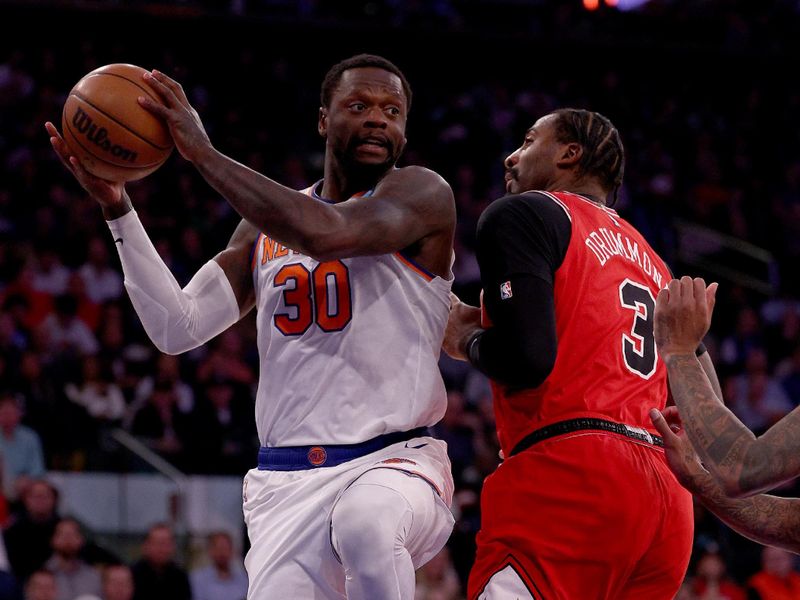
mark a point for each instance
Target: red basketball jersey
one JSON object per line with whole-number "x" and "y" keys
{"x": 607, "y": 365}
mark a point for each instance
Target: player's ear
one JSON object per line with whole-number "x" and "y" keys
{"x": 322, "y": 124}
{"x": 570, "y": 156}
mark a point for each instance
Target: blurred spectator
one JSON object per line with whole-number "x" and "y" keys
{"x": 747, "y": 335}
{"x": 49, "y": 274}
{"x": 117, "y": 581}
{"x": 96, "y": 392}
{"x": 226, "y": 361}
{"x": 73, "y": 576}
{"x": 224, "y": 436}
{"x": 102, "y": 282}
{"x": 161, "y": 424}
{"x": 41, "y": 586}
{"x": 224, "y": 578}
{"x": 28, "y": 537}
{"x": 711, "y": 581}
{"x": 156, "y": 576}
{"x": 777, "y": 579}
{"x": 756, "y": 397}
{"x": 64, "y": 334}
{"x": 167, "y": 372}
{"x": 20, "y": 446}
{"x": 438, "y": 580}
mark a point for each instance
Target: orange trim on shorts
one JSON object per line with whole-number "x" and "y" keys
{"x": 413, "y": 267}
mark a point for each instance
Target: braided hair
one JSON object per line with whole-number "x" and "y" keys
{"x": 603, "y": 154}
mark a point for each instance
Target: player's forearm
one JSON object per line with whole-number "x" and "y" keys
{"x": 175, "y": 319}
{"x": 721, "y": 440}
{"x": 764, "y": 519}
{"x": 284, "y": 214}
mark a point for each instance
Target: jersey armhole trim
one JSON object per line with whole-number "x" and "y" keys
{"x": 559, "y": 202}
{"x": 254, "y": 252}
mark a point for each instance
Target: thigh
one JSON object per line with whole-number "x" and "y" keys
{"x": 286, "y": 514}
{"x": 575, "y": 513}
{"x": 660, "y": 571}
{"x": 431, "y": 522}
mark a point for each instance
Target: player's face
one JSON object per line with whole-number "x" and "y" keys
{"x": 532, "y": 166}
{"x": 366, "y": 122}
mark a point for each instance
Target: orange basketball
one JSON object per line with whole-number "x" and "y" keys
{"x": 112, "y": 136}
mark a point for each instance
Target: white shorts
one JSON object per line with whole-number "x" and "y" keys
{"x": 288, "y": 517}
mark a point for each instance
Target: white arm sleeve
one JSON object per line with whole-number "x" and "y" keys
{"x": 175, "y": 319}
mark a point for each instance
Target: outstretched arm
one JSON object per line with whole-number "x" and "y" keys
{"x": 407, "y": 206}
{"x": 764, "y": 519}
{"x": 742, "y": 463}
{"x": 175, "y": 319}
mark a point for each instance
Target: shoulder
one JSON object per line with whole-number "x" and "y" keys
{"x": 417, "y": 178}
{"x": 538, "y": 207}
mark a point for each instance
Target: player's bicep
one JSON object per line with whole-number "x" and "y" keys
{"x": 407, "y": 206}
{"x": 235, "y": 262}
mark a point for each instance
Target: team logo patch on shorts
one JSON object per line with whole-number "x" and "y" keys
{"x": 317, "y": 456}
{"x": 391, "y": 461}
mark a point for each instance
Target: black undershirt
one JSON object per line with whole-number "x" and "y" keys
{"x": 522, "y": 240}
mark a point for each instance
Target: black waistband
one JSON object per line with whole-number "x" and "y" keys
{"x": 562, "y": 427}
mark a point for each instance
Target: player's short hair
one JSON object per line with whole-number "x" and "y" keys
{"x": 360, "y": 61}
{"x": 603, "y": 153}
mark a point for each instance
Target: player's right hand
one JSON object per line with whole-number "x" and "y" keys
{"x": 110, "y": 195}
{"x": 681, "y": 456}
{"x": 464, "y": 320}
{"x": 683, "y": 315}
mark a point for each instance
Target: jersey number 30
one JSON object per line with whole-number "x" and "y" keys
{"x": 639, "y": 347}
{"x": 321, "y": 296}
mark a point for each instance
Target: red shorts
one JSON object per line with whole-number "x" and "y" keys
{"x": 584, "y": 515}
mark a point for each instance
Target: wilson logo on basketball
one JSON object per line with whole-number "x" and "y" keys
{"x": 99, "y": 136}
{"x": 317, "y": 456}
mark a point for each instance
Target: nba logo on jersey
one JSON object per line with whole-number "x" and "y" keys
{"x": 505, "y": 290}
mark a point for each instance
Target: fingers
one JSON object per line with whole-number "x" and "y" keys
{"x": 59, "y": 145}
{"x": 661, "y": 425}
{"x": 169, "y": 89}
{"x": 675, "y": 292}
{"x": 156, "y": 108}
{"x": 711, "y": 296}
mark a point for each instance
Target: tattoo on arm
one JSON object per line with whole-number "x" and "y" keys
{"x": 730, "y": 450}
{"x": 717, "y": 435}
{"x": 764, "y": 519}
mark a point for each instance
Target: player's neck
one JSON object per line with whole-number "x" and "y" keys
{"x": 587, "y": 189}
{"x": 340, "y": 183}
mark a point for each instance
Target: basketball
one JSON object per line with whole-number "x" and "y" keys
{"x": 112, "y": 136}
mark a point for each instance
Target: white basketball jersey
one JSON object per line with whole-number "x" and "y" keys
{"x": 348, "y": 348}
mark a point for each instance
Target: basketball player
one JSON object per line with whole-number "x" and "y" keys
{"x": 351, "y": 280}
{"x": 738, "y": 463}
{"x": 584, "y": 505}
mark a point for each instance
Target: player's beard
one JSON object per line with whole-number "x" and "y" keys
{"x": 363, "y": 174}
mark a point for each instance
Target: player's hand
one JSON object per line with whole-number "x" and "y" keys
{"x": 110, "y": 195}
{"x": 681, "y": 456}
{"x": 464, "y": 320}
{"x": 184, "y": 123}
{"x": 683, "y": 315}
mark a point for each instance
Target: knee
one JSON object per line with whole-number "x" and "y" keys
{"x": 369, "y": 519}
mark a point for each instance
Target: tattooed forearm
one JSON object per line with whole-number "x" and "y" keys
{"x": 764, "y": 519}
{"x": 742, "y": 463}
{"x": 720, "y": 439}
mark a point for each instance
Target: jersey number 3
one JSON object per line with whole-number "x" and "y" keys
{"x": 639, "y": 347}
{"x": 321, "y": 296}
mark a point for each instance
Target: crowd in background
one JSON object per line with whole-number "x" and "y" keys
{"x": 713, "y": 141}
